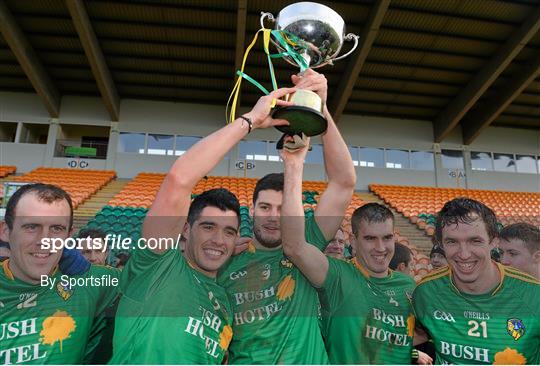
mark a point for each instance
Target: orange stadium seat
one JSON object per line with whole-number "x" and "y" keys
{"x": 416, "y": 202}
{"x": 6, "y": 170}
{"x": 142, "y": 190}
{"x": 79, "y": 183}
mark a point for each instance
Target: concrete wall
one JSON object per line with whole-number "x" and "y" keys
{"x": 505, "y": 181}
{"x": 129, "y": 165}
{"x": 25, "y": 156}
{"x": 200, "y": 120}
{"x": 367, "y": 176}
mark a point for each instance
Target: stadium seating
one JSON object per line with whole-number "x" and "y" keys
{"x": 125, "y": 212}
{"x": 6, "y": 170}
{"x": 79, "y": 183}
{"x": 142, "y": 190}
{"x": 420, "y": 204}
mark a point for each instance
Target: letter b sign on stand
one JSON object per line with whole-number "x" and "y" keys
{"x": 245, "y": 165}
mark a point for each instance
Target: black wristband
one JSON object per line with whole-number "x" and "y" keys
{"x": 414, "y": 354}
{"x": 248, "y": 120}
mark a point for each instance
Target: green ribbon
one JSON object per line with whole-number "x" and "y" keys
{"x": 290, "y": 51}
{"x": 278, "y": 36}
{"x": 252, "y": 81}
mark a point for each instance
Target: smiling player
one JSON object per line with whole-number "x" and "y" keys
{"x": 363, "y": 301}
{"x": 172, "y": 310}
{"x": 38, "y": 324}
{"x": 476, "y": 310}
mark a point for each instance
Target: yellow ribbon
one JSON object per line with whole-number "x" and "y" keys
{"x": 236, "y": 90}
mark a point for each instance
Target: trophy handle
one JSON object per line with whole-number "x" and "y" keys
{"x": 264, "y": 15}
{"x": 349, "y": 37}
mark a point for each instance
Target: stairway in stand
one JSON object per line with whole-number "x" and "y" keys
{"x": 7, "y": 178}
{"x": 86, "y": 211}
{"x": 416, "y": 236}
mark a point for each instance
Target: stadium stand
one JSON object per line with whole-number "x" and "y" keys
{"x": 80, "y": 184}
{"x": 420, "y": 204}
{"x": 6, "y": 170}
{"x": 125, "y": 212}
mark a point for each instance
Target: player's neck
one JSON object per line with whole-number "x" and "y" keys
{"x": 193, "y": 264}
{"x": 259, "y": 246}
{"x": 18, "y": 274}
{"x": 486, "y": 282}
{"x": 379, "y": 274}
{"x": 536, "y": 272}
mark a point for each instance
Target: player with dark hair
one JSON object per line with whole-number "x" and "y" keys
{"x": 172, "y": 310}
{"x": 55, "y": 323}
{"x": 520, "y": 245}
{"x": 477, "y": 311}
{"x": 275, "y": 308}
{"x": 363, "y": 301}
{"x": 402, "y": 261}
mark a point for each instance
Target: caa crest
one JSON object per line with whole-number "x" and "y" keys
{"x": 515, "y": 328}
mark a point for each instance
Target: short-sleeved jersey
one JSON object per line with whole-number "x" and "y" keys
{"x": 367, "y": 320}
{"x": 169, "y": 313}
{"x": 276, "y": 310}
{"x": 499, "y": 327}
{"x": 59, "y": 322}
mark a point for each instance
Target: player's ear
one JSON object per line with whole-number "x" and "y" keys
{"x": 536, "y": 256}
{"x": 495, "y": 242}
{"x": 401, "y": 267}
{"x": 186, "y": 231}
{"x": 352, "y": 242}
{"x": 71, "y": 231}
{"x": 4, "y": 231}
{"x": 251, "y": 208}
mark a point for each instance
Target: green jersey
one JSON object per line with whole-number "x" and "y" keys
{"x": 275, "y": 307}
{"x": 367, "y": 320}
{"x": 499, "y": 327}
{"x": 169, "y": 313}
{"x": 57, "y": 322}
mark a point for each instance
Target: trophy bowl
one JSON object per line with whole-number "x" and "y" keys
{"x": 320, "y": 29}
{"x": 311, "y": 36}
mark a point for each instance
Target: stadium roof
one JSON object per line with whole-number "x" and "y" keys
{"x": 474, "y": 62}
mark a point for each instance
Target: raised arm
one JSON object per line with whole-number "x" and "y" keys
{"x": 308, "y": 258}
{"x": 168, "y": 213}
{"x": 337, "y": 160}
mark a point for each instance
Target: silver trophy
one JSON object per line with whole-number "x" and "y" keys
{"x": 310, "y": 35}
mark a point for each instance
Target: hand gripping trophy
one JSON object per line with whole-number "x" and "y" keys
{"x": 307, "y": 35}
